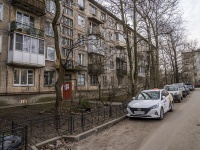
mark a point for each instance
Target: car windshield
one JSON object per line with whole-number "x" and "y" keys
{"x": 171, "y": 88}
{"x": 148, "y": 95}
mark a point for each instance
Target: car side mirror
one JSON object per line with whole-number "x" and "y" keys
{"x": 163, "y": 97}
{"x": 133, "y": 98}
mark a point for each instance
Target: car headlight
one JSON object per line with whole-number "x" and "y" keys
{"x": 154, "y": 106}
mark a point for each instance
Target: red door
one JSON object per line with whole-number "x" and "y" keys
{"x": 67, "y": 91}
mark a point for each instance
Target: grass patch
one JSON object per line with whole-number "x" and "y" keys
{"x": 46, "y": 99}
{"x": 3, "y": 103}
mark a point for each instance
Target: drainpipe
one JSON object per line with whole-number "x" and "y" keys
{"x": 39, "y": 79}
{"x": 7, "y": 52}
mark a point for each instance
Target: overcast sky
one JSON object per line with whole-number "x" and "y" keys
{"x": 191, "y": 10}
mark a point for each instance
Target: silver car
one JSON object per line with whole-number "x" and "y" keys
{"x": 175, "y": 91}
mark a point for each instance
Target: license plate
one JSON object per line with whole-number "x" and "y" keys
{"x": 139, "y": 112}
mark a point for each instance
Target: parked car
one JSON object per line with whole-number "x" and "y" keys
{"x": 190, "y": 86}
{"x": 151, "y": 104}
{"x": 187, "y": 90}
{"x": 175, "y": 91}
{"x": 182, "y": 88}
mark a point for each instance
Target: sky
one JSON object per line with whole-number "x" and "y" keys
{"x": 191, "y": 14}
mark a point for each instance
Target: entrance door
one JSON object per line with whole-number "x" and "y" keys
{"x": 67, "y": 91}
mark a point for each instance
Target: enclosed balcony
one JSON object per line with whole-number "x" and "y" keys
{"x": 26, "y": 29}
{"x": 26, "y": 51}
{"x": 95, "y": 69}
{"x": 36, "y": 7}
{"x": 120, "y": 45}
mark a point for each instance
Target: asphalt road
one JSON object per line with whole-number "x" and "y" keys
{"x": 180, "y": 130}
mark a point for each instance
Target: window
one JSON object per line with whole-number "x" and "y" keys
{"x": 111, "y": 36}
{"x": 103, "y": 17}
{"x": 69, "y": 2}
{"x": 93, "y": 10}
{"x": 111, "y": 22}
{"x": 67, "y": 42}
{"x": 81, "y": 79}
{"x": 66, "y": 53}
{"x": 111, "y": 65}
{"x": 23, "y": 77}
{"x": 81, "y": 59}
{"x": 67, "y": 31}
{"x": 41, "y": 47}
{"x": 28, "y": 44}
{"x": 49, "y": 78}
{"x": 104, "y": 80}
{"x": 19, "y": 42}
{"x": 67, "y": 21}
{"x": 49, "y": 29}
{"x": 0, "y": 42}
{"x": 1, "y": 11}
{"x": 105, "y": 65}
{"x": 68, "y": 77}
{"x": 69, "y": 11}
{"x": 50, "y": 53}
{"x": 34, "y": 45}
{"x": 94, "y": 80}
{"x": 81, "y": 3}
{"x": 81, "y": 39}
{"x": 50, "y": 6}
{"x": 81, "y": 21}
{"x": 24, "y": 19}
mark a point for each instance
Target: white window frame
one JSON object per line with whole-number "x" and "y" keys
{"x": 81, "y": 79}
{"x": 1, "y": 11}
{"x": 20, "y": 75}
{"x": 47, "y": 51}
{"x": 81, "y": 59}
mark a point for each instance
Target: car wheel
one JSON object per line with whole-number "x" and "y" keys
{"x": 182, "y": 98}
{"x": 179, "y": 100}
{"x": 172, "y": 107}
{"x": 161, "y": 114}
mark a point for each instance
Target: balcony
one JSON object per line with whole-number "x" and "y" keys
{"x": 25, "y": 29}
{"x": 95, "y": 69}
{"x": 120, "y": 45}
{"x": 94, "y": 31}
{"x": 95, "y": 19}
{"x": 36, "y": 7}
{"x": 121, "y": 72}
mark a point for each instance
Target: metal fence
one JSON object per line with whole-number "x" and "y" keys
{"x": 41, "y": 128}
{"x": 14, "y": 138}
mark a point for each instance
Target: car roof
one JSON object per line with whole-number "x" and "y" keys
{"x": 152, "y": 90}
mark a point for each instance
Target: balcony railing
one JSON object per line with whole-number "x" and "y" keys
{"x": 121, "y": 72}
{"x": 95, "y": 69}
{"x": 36, "y": 7}
{"x": 26, "y": 29}
{"x": 119, "y": 44}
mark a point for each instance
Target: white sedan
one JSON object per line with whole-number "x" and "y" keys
{"x": 151, "y": 104}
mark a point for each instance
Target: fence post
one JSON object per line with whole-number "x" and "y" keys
{"x": 110, "y": 110}
{"x": 26, "y": 137}
{"x": 82, "y": 121}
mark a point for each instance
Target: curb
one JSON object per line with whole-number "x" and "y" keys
{"x": 79, "y": 137}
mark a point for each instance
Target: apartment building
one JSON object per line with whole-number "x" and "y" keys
{"x": 91, "y": 39}
{"x": 191, "y": 66}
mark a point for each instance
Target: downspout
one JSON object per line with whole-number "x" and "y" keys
{"x": 7, "y": 53}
